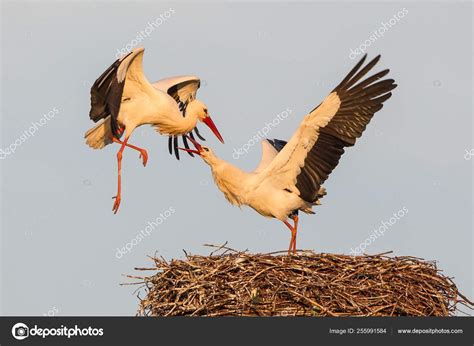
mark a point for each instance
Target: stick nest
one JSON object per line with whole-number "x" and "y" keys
{"x": 234, "y": 283}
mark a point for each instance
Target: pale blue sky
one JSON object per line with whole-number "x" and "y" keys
{"x": 59, "y": 236}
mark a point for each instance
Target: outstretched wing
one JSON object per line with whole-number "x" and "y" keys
{"x": 306, "y": 161}
{"x": 109, "y": 89}
{"x": 182, "y": 89}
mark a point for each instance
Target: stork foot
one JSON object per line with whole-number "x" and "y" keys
{"x": 143, "y": 156}
{"x": 116, "y": 203}
{"x": 143, "y": 152}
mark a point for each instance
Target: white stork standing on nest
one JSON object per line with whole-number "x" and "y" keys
{"x": 122, "y": 99}
{"x": 290, "y": 174}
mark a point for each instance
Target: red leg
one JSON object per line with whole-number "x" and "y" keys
{"x": 295, "y": 227}
{"x": 119, "y": 180}
{"x": 294, "y": 230}
{"x": 143, "y": 153}
{"x": 293, "y": 237}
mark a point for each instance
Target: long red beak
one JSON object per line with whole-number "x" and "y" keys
{"x": 208, "y": 121}
{"x": 196, "y": 145}
{"x": 190, "y": 150}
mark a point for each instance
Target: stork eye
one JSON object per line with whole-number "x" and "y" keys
{"x": 206, "y": 149}
{"x": 205, "y": 110}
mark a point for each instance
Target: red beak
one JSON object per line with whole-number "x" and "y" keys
{"x": 208, "y": 121}
{"x": 189, "y": 150}
{"x": 196, "y": 145}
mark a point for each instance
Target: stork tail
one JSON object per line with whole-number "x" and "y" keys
{"x": 100, "y": 135}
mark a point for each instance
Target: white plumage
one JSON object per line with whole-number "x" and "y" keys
{"x": 290, "y": 175}
{"x": 122, "y": 99}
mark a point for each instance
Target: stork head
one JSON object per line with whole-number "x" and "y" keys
{"x": 198, "y": 108}
{"x": 205, "y": 152}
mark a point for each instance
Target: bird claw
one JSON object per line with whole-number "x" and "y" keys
{"x": 116, "y": 204}
{"x": 143, "y": 156}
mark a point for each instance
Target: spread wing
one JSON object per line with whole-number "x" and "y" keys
{"x": 182, "y": 89}
{"x": 314, "y": 150}
{"x": 121, "y": 80}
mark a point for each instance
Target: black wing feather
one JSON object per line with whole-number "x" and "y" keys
{"x": 175, "y": 145}
{"x": 173, "y": 91}
{"x": 106, "y": 96}
{"x": 186, "y": 145}
{"x": 198, "y": 134}
{"x": 170, "y": 144}
{"x": 359, "y": 102}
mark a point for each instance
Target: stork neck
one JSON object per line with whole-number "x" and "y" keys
{"x": 230, "y": 179}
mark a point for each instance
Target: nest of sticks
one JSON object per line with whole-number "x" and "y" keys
{"x": 234, "y": 283}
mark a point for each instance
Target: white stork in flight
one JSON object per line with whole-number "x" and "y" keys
{"x": 290, "y": 174}
{"x": 123, "y": 99}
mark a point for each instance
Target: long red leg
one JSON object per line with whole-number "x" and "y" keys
{"x": 143, "y": 152}
{"x": 294, "y": 231}
{"x": 295, "y": 227}
{"x": 119, "y": 180}
{"x": 293, "y": 236}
